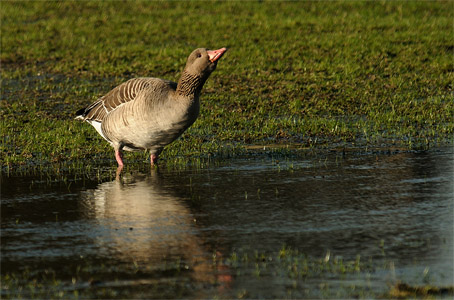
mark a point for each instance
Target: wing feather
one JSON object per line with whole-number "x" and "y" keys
{"x": 120, "y": 95}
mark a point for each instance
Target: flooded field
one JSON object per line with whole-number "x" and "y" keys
{"x": 329, "y": 226}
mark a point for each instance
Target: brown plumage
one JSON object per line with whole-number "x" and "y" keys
{"x": 150, "y": 113}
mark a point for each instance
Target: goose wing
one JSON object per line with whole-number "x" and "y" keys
{"x": 120, "y": 95}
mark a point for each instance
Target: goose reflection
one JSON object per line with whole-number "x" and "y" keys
{"x": 141, "y": 220}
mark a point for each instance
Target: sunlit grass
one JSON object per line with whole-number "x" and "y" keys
{"x": 352, "y": 73}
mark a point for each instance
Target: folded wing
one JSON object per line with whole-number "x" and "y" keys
{"x": 120, "y": 95}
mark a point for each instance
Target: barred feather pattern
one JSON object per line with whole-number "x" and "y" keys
{"x": 190, "y": 84}
{"x": 120, "y": 95}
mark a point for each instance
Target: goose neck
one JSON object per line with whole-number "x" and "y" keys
{"x": 189, "y": 84}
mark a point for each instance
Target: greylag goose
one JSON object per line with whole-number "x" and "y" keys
{"x": 150, "y": 113}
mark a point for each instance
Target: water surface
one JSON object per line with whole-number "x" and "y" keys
{"x": 223, "y": 230}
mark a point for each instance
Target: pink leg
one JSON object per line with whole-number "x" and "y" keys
{"x": 118, "y": 157}
{"x": 117, "y": 174}
{"x": 153, "y": 159}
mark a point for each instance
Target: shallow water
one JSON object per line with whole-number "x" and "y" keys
{"x": 223, "y": 230}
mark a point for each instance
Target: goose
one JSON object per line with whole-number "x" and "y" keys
{"x": 149, "y": 113}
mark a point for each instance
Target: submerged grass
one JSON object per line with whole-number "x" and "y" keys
{"x": 406, "y": 291}
{"x": 291, "y": 274}
{"x": 361, "y": 73}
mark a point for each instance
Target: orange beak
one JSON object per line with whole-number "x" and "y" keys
{"x": 214, "y": 55}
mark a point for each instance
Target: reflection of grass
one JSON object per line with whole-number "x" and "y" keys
{"x": 289, "y": 273}
{"x": 365, "y": 73}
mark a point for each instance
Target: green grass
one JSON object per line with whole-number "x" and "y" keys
{"x": 315, "y": 74}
